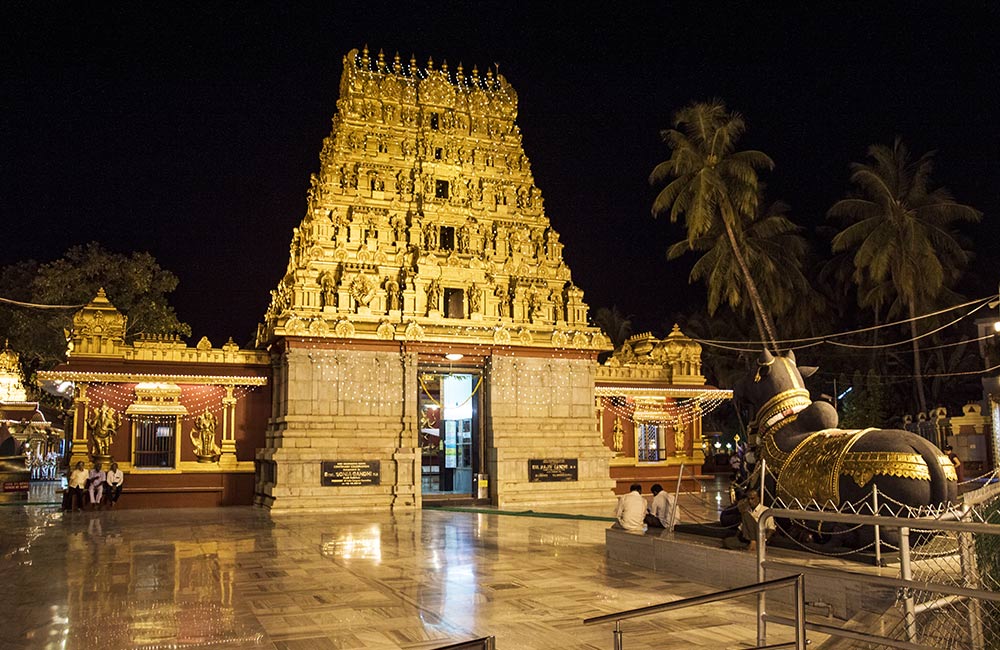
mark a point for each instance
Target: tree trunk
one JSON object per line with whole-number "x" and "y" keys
{"x": 918, "y": 373}
{"x": 764, "y": 325}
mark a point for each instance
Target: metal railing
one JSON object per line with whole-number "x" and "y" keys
{"x": 906, "y": 585}
{"x": 796, "y": 581}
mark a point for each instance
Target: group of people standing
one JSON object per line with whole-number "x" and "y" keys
{"x": 100, "y": 487}
{"x": 634, "y": 514}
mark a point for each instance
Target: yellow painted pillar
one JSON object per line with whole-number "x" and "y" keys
{"x": 81, "y": 404}
{"x": 228, "y": 456}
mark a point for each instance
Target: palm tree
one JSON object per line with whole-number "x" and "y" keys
{"x": 616, "y": 325}
{"x": 712, "y": 185}
{"x": 901, "y": 232}
{"x": 774, "y": 250}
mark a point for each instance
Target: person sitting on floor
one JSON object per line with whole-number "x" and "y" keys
{"x": 750, "y": 509}
{"x": 631, "y": 510}
{"x": 663, "y": 511}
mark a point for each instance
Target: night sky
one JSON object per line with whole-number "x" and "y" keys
{"x": 191, "y": 132}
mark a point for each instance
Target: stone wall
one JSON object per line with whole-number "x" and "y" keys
{"x": 544, "y": 408}
{"x": 343, "y": 405}
{"x": 349, "y": 404}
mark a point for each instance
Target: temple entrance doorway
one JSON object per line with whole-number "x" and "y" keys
{"x": 450, "y": 413}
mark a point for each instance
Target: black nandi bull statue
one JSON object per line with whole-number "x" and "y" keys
{"x": 813, "y": 459}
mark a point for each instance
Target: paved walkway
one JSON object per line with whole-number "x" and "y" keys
{"x": 238, "y": 578}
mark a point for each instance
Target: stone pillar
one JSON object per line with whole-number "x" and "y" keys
{"x": 80, "y": 405}
{"x": 227, "y": 457}
{"x": 407, "y": 492}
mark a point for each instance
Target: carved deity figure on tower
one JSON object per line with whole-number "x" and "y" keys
{"x": 475, "y": 299}
{"x": 203, "y": 437}
{"x": 104, "y": 422}
{"x": 392, "y": 294}
{"x": 362, "y": 290}
{"x": 503, "y": 306}
{"x": 431, "y": 233}
{"x": 328, "y": 282}
{"x": 434, "y": 295}
{"x": 534, "y": 306}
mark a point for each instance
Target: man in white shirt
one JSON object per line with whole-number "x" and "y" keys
{"x": 115, "y": 480}
{"x": 631, "y": 510}
{"x": 97, "y": 477}
{"x": 76, "y": 484}
{"x": 750, "y": 509}
{"x": 662, "y": 513}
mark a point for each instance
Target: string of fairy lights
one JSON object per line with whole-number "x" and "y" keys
{"x": 667, "y": 410}
{"x": 196, "y": 399}
{"x": 371, "y": 381}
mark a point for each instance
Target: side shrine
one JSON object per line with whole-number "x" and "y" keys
{"x": 183, "y": 423}
{"x": 651, "y": 397}
{"x": 428, "y": 339}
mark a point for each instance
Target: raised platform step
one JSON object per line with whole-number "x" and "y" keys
{"x": 704, "y": 561}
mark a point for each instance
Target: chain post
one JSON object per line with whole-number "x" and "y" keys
{"x": 906, "y": 573}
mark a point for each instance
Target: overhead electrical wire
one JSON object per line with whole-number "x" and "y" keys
{"x": 740, "y": 346}
{"x": 815, "y": 340}
{"x": 33, "y": 305}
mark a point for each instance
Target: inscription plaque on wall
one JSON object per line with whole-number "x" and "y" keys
{"x": 551, "y": 469}
{"x": 350, "y": 473}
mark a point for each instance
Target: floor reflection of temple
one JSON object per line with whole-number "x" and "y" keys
{"x": 243, "y": 578}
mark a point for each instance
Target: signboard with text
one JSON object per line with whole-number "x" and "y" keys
{"x": 16, "y": 486}
{"x": 552, "y": 469}
{"x": 350, "y": 473}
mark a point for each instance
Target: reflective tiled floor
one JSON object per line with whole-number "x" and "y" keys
{"x": 237, "y": 577}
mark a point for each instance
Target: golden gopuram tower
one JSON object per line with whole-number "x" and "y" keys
{"x": 428, "y": 341}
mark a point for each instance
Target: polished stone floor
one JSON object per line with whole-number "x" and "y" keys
{"x": 238, "y": 578}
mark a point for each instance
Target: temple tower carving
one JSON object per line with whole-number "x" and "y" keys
{"x": 424, "y": 210}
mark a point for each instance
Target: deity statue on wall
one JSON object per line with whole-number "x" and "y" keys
{"x": 434, "y": 295}
{"x": 534, "y": 306}
{"x": 351, "y": 177}
{"x": 559, "y": 302}
{"x": 679, "y": 448}
{"x": 463, "y": 239}
{"x": 362, "y": 290}
{"x": 399, "y": 229}
{"x": 618, "y": 442}
{"x": 392, "y": 294}
{"x": 203, "y": 437}
{"x": 475, "y": 298}
{"x": 503, "y": 306}
{"x": 328, "y": 283}
{"x": 430, "y": 236}
{"x": 104, "y": 422}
